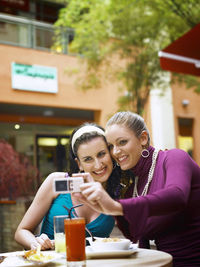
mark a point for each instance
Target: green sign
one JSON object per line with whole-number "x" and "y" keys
{"x": 34, "y": 78}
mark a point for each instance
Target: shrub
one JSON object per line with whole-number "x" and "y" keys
{"x": 18, "y": 177}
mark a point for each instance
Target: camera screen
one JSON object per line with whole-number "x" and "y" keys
{"x": 61, "y": 186}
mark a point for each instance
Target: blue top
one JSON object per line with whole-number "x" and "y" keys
{"x": 102, "y": 226}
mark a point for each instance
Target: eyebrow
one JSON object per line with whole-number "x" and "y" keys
{"x": 86, "y": 157}
{"x": 89, "y": 156}
{"x": 121, "y": 138}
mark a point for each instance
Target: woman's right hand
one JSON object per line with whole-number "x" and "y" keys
{"x": 94, "y": 195}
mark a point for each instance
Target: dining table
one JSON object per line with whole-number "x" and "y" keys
{"x": 140, "y": 257}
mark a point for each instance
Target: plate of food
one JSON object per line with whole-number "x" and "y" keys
{"x": 29, "y": 258}
{"x": 110, "y": 247}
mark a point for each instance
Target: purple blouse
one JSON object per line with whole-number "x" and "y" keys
{"x": 170, "y": 212}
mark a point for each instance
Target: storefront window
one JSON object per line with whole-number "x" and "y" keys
{"x": 49, "y": 153}
{"x": 52, "y": 154}
{"x": 186, "y": 143}
{"x": 185, "y": 137}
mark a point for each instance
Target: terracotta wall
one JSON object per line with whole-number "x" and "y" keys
{"x": 192, "y": 111}
{"x": 103, "y": 100}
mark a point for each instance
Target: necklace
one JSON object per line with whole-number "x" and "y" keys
{"x": 150, "y": 177}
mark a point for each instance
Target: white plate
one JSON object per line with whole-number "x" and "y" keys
{"x": 13, "y": 260}
{"x": 90, "y": 253}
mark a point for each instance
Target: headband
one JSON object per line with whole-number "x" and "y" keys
{"x": 83, "y": 130}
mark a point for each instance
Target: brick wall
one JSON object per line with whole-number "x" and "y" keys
{"x": 11, "y": 213}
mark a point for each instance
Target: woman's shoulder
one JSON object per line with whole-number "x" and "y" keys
{"x": 174, "y": 154}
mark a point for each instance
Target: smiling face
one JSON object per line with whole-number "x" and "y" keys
{"x": 125, "y": 147}
{"x": 94, "y": 157}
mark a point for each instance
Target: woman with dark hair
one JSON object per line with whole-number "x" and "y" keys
{"x": 112, "y": 184}
{"x": 163, "y": 202}
{"x": 88, "y": 153}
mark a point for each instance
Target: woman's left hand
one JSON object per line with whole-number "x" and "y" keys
{"x": 43, "y": 241}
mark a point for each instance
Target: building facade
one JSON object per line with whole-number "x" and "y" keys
{"x": 174, "y": 119}
{"x": 41, "y": 102}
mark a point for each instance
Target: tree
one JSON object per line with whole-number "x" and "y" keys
{"x": 134, "y": 30}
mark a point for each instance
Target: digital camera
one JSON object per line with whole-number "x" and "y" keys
{"x": 68, "y": 185}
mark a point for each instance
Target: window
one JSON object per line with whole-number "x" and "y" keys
{"x": 185, "y": 136}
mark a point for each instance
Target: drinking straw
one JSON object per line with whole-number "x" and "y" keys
{"x": 70, "y": 210}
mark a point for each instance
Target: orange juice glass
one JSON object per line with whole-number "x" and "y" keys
{"x": 75, "y": 240}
